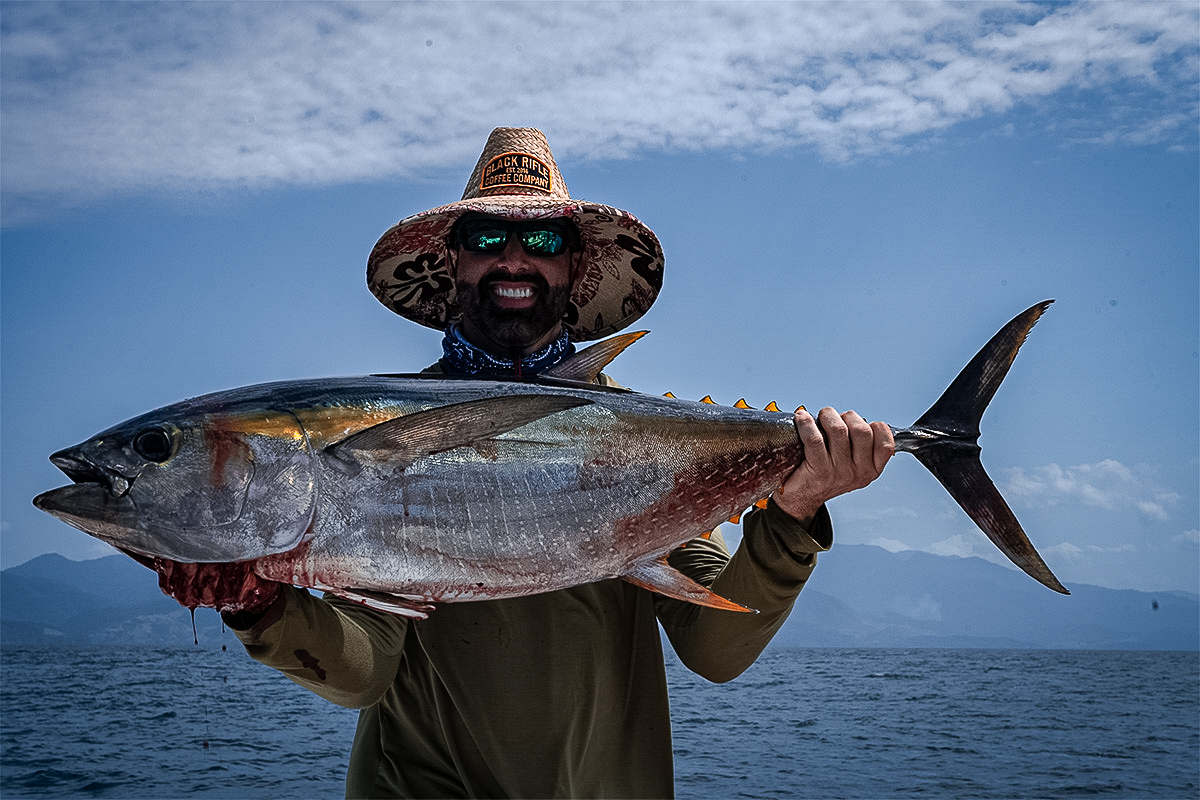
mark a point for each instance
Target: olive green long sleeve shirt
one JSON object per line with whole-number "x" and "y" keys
{"x": 553, "y": 695}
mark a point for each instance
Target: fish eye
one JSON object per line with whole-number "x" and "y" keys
{"x": 153, "y": 444}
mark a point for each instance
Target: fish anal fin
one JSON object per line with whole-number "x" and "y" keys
{"x": 400, "y": 605}
{"x": 660, "y": 577}
{"x": 404, "y": 439}
{"x": 588, "y": 363}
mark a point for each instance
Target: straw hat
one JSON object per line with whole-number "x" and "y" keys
{"x": 517, "y": 178}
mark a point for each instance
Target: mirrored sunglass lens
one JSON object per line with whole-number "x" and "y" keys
{"x": 485, "y": 239}
{"x": 543, "y": 242}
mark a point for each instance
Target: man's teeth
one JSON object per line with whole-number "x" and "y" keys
{"x": 514, "y": 293}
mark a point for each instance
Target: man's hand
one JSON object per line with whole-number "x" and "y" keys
{"x": 229, "y": 588}
{"x": 850, "y": 456}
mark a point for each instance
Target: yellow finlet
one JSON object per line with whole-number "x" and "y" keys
{"x": 761, "y": 503}
{"x": 800, "y": 408}
{"x": 741, "y": 404}
{"x": 708, "y": 399}
{"x": 735, "y": 519}
{"x": 705, "y": 535}
{"x": 771, "y": 407}
{"x": 668, "y": 394}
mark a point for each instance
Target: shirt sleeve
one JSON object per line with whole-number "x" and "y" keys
{"x": 776, "y": 557}
{"x": 344, "y": 652}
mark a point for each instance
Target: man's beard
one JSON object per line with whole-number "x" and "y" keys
{"x": 515, "y": 329}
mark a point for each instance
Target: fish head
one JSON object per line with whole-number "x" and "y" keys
{"x": 191, "y": 484}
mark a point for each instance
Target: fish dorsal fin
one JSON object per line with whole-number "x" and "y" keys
{"x": 405, "y": 439}
{"x": 588, "y": 363}
{"x": 656, "y": 575}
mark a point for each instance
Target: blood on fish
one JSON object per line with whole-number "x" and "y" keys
{"x": 224, "y": 444}
{"x": 231, "y": 587}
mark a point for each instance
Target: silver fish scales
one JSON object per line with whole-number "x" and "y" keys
{"x": 405, "y": 491}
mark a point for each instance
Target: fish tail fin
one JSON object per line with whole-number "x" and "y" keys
{"x": 945, "y": 439}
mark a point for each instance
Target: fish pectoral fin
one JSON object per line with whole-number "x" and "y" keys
{"x": 659, "y": 576}
{"x": 588, "y": 363}
{"x": 412, "y": 436}
{"x": 400, "y": 605}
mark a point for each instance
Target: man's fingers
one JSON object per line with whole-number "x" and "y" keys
{"x": 855, "y": 450}
{"x": 811, "y": 437}
{"x": 884, "y": 445}
{"x": 837, "y": 437}
{"x": 862, "y": 446}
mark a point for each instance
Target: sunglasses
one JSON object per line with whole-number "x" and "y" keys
{"x": 544, "y": 238}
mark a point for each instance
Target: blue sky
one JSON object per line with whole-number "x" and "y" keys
{"x": 852, "y": 198}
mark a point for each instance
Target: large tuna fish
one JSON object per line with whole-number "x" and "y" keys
{"x": 402, "y": 491}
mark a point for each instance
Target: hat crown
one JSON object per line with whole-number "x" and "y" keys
{"x": 516, "y": 161}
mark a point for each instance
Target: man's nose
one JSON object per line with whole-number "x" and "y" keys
{"x": 513, "y": 248}
{"x": 513, "y": 258}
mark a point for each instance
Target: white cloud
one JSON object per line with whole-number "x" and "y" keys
{"x": 1067, "y": 551}
{"x": 102, "y": 98}
{"x": 1191, "y": 536}
{"x": 1109, "y": 485}
{"x": 961, "y": 546}
{"x": 891, "y": 545}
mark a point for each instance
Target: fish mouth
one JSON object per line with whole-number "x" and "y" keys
{"x": 80, "y": 470}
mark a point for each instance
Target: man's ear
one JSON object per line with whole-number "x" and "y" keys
{"x": 577, "y": 269}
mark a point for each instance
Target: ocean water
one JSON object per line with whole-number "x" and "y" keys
{"x": 863, "y": 723}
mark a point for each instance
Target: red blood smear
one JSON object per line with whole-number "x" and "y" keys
{"x": 229, "y": 587}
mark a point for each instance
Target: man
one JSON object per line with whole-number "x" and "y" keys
{"x": 563, "y": 693}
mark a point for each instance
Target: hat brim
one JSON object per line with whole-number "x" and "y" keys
{"x": 622, "y": 262}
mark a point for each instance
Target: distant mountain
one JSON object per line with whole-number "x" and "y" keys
{"x": 106, "y": 601}
{"x": 863, "y": 596}
{"x": 859, "y": 596}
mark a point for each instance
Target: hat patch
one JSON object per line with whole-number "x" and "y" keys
{"x": 516, "y": 170}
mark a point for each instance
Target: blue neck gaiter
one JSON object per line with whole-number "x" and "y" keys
{"x": 460, "y": 357}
